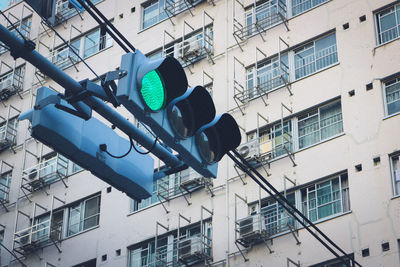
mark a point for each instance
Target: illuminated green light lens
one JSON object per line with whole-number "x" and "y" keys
{"x": 152, "y": 91}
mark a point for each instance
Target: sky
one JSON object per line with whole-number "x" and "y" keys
{"x": 3, "y": 4}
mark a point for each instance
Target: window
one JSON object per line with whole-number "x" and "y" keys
{"x": 155, "y": 55}
{"x": 295, "y": 133}
{"x": 95, "y": 42}
{"x": 315, "y": 56}
{"x": 53, "y": 167}
{"x": 75, "y": 168}
{"x": 388, "y": 24}
{"x": 300, "y": 6}
{"x": 83, "y": 215}
{"x": 24, "y": 27}
{"x": 270, "y": 74}
{"x": 169, "y": 187}
{"x": 325, "y": 199}
{"x": 274, "y": 72}
{"x": 64, "y": 10}
{"x": 8, "y": 133}
{"x": 195, "y": 46}
{"x": 165, "y": 252}
{"x": 153, "y": 12}
{"x": 320, "y": 124}
{"x": 395, "y": 174}
{"x": 163, "y": 188}
{"x": 392, "y": 96}
{"x": 274, "y": 142}
{"x": 275, "y": 217}
{"x": 265, "y": 15}
{"x": 12, "y": 82}
{"x": 5, "y": 182}
{"x": 398, "y": 246}
{"x": 91, "y": 263}
{"x": 64, "y": 56}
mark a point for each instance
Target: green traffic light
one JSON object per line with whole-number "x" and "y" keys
{"x": 152, "y": 91}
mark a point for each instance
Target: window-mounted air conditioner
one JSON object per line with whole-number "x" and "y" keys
{"x": 250, "y": 149}
{"x": 248, "y": 226}
{"x": 24, "y": 238}
{"x": 187, "y": 48}
{"x": 190, "y": 247}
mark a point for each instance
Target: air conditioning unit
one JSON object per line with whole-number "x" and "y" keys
{"x": 187, "y": 48}
{"x": 190, "y": 247}
{"x": 190, "y": 177}
{"x": 249, "y": 149}
{"x": 248, "y": 227}
{"x": 6, "y": 89}
{"x": 34, "y": 180}
{"x": 24, "y": 240}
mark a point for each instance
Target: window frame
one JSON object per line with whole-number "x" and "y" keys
{"x": 82, "y": 211}
{"x": 395, "y": 185}
{"x": 293, "y": 121}
{"x": 318, "y": 109}
{"x": 395, "y": 6}
{"x": 308, "y": 9}
{"x": 312, "y": 44}
{"x": 159, "y": 20}
{"x": 288, "y": 70}
{"x": 395, "y": 80}
{"x": 167, "y": 242}
{"x": 305, "y": 203}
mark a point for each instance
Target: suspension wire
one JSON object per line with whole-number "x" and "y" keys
{"x": 105, "y": 26}
{"x": 13, "y": 25}
{"x": 247, "y": 168}
{"x": 106, "y": 21}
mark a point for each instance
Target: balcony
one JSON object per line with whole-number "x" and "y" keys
{"x": 11, "y": 84}
{"x": 259, "y": 18}
{"x": 37, "y": 236}
{"x": 260, "y": 227}
{"x": 45, "y": 173}
{"x": 63, "y": 58}
{"x": 8, "y": 134}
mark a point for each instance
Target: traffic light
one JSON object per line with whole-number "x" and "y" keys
{"x": 81, "y": 140}
{"x": 156, "y": 93}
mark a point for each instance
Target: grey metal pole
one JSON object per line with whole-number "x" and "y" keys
{"x": 19, "y": 48}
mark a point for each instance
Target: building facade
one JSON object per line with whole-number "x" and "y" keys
{"x": 315, "y": 88}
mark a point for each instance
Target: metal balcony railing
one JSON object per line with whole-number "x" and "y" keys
{"x": 192, "y": 49}
{"x": 45, "y": 173}
{"x": 36, "y": 236}
{"x": 262, "y": 226}
{"x": 5, "y": 181}
{"x": 262, "y": 17}
{"x": 11, "y": 84}
{"x": 8, "y": 135}
{"x": 63, "y": 58}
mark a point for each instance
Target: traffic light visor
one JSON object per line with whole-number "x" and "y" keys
{"x": 218, "y": 137}
{"x": 189, "y": 112}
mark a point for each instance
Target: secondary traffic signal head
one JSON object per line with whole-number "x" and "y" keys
{"x": 189, "y": 112}
{"x": 156, "y": 93}
{"x": 218, "y": 137}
